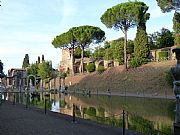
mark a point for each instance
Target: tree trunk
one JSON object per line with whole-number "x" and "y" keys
{"x": 125, "y": 49}
{"x": 72, "y": 61}
{"x": 82, "y": 56}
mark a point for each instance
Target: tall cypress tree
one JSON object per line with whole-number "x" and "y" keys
{"x": 176, "y": 27}
{"x": 43, "y": 58}
{"x": 39, "y": 59}
{"x": 141, "y": 47}
{"x": 25, "y": 61}
{"x": 1, "y": 70}
{"x": 1, "y": 67}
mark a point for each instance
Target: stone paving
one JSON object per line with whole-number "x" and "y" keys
{"x": 19, "y": 120}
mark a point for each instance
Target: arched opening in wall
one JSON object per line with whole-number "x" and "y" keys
{"x": 68, "y": 70}
{"x": 111, "y": 63}
{"x": 101, "y": 63}
{"x": 76, "y": 67}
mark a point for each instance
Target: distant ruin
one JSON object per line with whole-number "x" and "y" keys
{"x": 66, "y": 61}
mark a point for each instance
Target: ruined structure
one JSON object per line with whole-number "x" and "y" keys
{"x": 154, "y": 54}
{"x": 16, "y": 78}
{"x": 66, "y": 62}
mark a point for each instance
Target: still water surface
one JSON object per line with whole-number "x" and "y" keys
{"x": 154, "y": 116}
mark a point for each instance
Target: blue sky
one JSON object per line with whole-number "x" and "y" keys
{"x": 29, "y": 26}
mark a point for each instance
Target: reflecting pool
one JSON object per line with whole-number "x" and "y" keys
{"x": 154, "y": 116}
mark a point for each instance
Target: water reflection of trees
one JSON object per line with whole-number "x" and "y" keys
{"x": 142, "y": 106}
{"x": 134, "y": 122}
{"x": 150, "y": 115}
{"x": 144, "y": 115}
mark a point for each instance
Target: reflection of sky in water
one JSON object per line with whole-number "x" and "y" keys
{"x": 55, "y": 106}
{"x": 2, "y": 96}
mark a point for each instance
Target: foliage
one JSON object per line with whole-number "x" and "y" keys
{"x": 42, "y": 57}
{"x": 62, "y": 75}
{"x": 100, "y": 69}
{"x": 25, "y": 61}
{"x": 161, "y": 39}
{"x": 106, "y": 44}
{"x": 137, "y": 61}
{"x": 176, "y": 27}
{"x": 33, "y": 69}
{"x": 66, "y": 40}
{"x": 1, "y": 70}
{"x": 78, "y": 51}
{"x": 163, "y": 55}
{"x": 125, "y": 16}
{"x": 1, "y": 67}
{"x": 45, "y": 69}
{"x": 85, "y": 36}
{"x": 99, "y": 52}
{"x": 120, "y": 16}
{"x": 108, "y": 54}
{"x": 113, "y": 50}
{"x": 130, "y": 47}
{"x": 166, "y": 38}
{"x": 152, "y": 40}
{"x": 116, "y": 47}
{"x": 91, "y": 67}
{"x": 141, "y": 46}
{"x": 87, "y": 53}
{"x": 39, "y": 59}
{"x": 91, "y": 111}
{"x": 168, "y": 5}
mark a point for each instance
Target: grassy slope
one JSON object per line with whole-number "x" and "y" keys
{"x": 148, "y": 79}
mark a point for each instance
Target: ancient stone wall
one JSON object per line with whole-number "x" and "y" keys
{"x": 66, "y": 62}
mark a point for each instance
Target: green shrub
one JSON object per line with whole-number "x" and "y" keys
{"x": 100, "y": 69}
{"x": 91, "y": 111}
{"x": 62, "y": 75}
{"x": 163, "y": 55}
{"x": 136, "y": 62}
{"x": 90, "y": 67}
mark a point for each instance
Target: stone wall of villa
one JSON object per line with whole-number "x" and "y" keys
{"x": 66, "y": 62}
